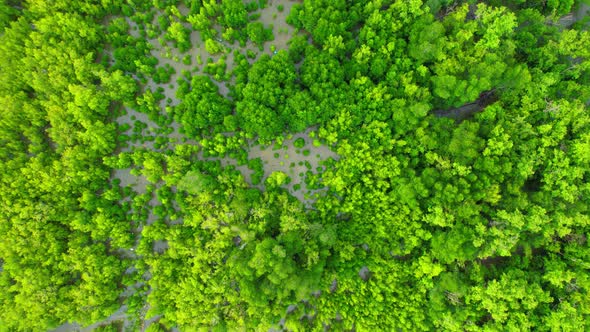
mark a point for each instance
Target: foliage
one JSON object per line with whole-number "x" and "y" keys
{"x": 262, "y": 110}
{"x": 459, "y": 199}
{"x": 60, "y": 218}
{"x": 202, "y": 109}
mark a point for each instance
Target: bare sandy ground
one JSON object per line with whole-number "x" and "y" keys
{"x": 291, "y": 161}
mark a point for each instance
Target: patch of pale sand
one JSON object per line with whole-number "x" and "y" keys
{"x": 131, "y": 114}
{"x": 579, "y": 14}
{"x": 176, "y": 135}
{"x": 153, "y": 202}
{"x": 288, "y": 162}
{"x": 129, "y": 118}
{"x": 137, "y": 183}
{"x": 160, "y": 246}
{"x": 165, "y": 58}
{"x": 67, "y": 327}
{"x": 279, "y": 22}
{"x": 119, "y": 315}
{"x": 582, "y": 12}
{"x": 281, "y": 30}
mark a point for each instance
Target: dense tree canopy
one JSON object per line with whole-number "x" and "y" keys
{"x": 456, "y": 195}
